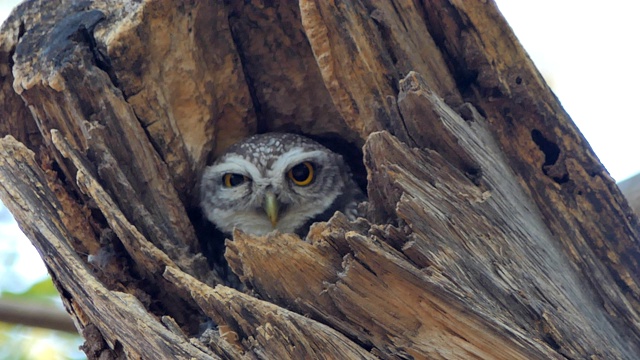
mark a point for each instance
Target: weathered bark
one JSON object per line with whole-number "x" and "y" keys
{"x": 492, "y": 230}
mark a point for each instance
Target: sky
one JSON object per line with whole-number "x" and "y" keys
{"x": 5, "y": 8}
{"x": 587, "y": 51}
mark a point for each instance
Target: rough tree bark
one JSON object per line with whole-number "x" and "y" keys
{"x": 492, "y": 230}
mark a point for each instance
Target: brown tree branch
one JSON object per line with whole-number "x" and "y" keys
{"x": 38, "y": 315}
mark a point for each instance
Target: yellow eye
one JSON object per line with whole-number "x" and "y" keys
{"x": 232, "y": 180}
{"x": 302, "y": 174}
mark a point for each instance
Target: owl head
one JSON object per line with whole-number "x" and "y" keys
{"x": 277, "y": 181}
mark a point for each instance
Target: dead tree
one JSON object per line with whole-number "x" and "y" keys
{"x": 492, "y": 231}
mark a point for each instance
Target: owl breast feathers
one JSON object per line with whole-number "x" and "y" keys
{"x": 277, "y": 181}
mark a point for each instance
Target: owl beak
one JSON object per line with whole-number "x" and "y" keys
{"x": 271, "y": 207}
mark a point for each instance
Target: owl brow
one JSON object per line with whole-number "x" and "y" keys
{"x": 237, "y": 165}
{"x": 294, "y": 157}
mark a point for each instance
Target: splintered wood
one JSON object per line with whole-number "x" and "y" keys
{"x": 491, "y": 230}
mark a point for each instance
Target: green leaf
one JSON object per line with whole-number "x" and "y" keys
{"x": 43, "y": 288}
{"x": 42, "y": 291}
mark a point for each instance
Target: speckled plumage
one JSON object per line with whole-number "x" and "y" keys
{"x": 265, "y": 160}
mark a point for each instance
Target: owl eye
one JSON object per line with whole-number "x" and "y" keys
{"x": 232, "y": 180}
{"x": 302, "y": 174}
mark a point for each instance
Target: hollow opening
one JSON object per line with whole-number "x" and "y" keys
{"x": 550, "y": 149}
{"x": 212, "y": 239}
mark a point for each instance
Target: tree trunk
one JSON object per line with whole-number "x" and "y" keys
{"x": 492, "y": 230}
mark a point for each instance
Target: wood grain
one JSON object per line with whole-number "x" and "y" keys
{"x": 491, "y": 230}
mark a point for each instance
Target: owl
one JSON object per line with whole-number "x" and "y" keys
{"x": 277, "y": 181}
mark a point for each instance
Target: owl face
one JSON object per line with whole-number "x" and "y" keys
{"x": 274, "y": 181}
